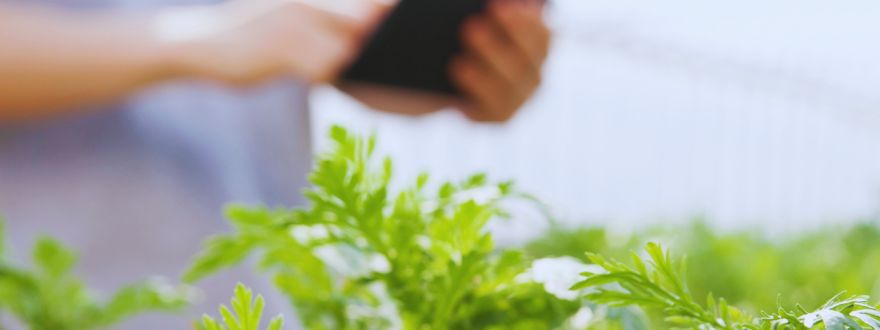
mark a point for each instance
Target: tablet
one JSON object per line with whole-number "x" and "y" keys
{"x": 413, "y": 47}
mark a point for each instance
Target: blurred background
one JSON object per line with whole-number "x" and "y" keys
{"x": 749, "y": 113}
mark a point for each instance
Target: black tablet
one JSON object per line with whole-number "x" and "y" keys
{"x": 412, "y": 48}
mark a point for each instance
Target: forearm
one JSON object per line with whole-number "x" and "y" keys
{"x": 52, "y": 60}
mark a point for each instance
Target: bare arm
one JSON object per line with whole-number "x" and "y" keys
{"x": 52, "y": 60}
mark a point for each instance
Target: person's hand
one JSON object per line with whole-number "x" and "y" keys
{"x": 248, "y": 41}
{"x": 505, "y": 50}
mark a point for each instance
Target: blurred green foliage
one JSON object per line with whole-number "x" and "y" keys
{"x": 364, "y": 257}
{"x": 751, "y": 269}
{"x": 49, "y": 297}
{"x": 656, "y": 281}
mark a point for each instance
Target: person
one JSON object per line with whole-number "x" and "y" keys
{"x": 126, "y": 125}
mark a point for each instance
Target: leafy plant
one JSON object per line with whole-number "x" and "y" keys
{"x": 365, "y": 257}
{"x": 656, "y": 281}
{"x": 49, "y": 297}
{"x": 246, "y": 314}
{"x": 747, "y": 267}
{"x": 837, "y": 313}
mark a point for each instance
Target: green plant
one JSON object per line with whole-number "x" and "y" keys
{"x": 49, "y": 297}
{"x": 656, "y": 281}
{"x": 246, "y": 314}
{"x": 364, "y": 257}
{"x": 747, "y": 267}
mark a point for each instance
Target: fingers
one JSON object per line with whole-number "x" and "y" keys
{"x": 504, "y": 53}
{"x": 491, "y": 46}
{"x": 523, "y": 23}
{"x": 490, "y": 97}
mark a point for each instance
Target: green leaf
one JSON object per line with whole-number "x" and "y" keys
{"x": 219, "y": 253}
{"x": 146, "y": 296}
{"x": 277, "y": 323}
{"x": 246, "y": 313}
{"x": 52, "y": 258}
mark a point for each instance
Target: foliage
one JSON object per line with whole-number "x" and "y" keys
{"x": 246, "y": 313}
{"x": 749, "y": 268}
{"x": 657, "y": 281}
{"x": 49, "y": 297}
{"x": 364, "y": 257}
{"x": 837, "y": 313}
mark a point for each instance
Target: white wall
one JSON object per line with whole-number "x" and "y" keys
{"x": 749, "y": 112}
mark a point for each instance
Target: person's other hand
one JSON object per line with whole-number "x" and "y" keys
{"x": 505, "y": 50}
{"x": 248, "y": 41}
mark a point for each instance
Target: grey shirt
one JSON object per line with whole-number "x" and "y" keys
{"x": 135, "y": 187}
